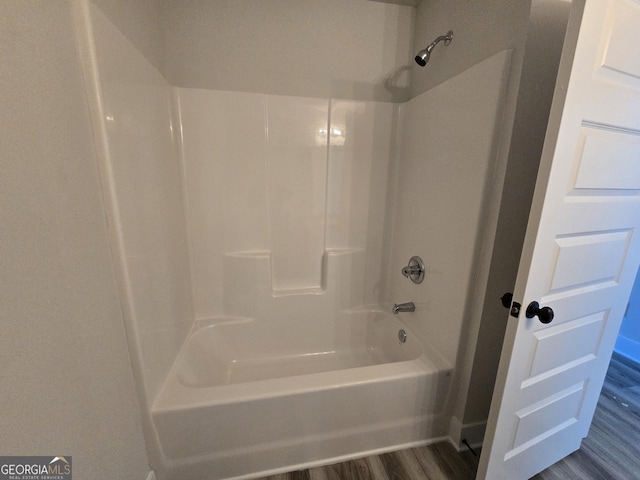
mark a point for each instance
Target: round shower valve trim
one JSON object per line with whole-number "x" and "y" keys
{"x": 414, "y": 271}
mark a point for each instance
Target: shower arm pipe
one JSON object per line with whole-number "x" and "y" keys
{"x": 442, "y": 38}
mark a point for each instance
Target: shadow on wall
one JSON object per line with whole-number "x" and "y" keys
{"x": 395, "y": 86}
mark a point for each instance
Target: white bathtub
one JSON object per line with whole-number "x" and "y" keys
{"x": 241, "y": 402}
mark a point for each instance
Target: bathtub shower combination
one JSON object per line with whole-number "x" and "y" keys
{"x": 294, "y": 359}
{"x": 272, "y": 393}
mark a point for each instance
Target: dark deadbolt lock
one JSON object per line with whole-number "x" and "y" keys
{"x": 544, "y": 314}
{"x": 506, "y": 300}
{"x": 515, "y": 310}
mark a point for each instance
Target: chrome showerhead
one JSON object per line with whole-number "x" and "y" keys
{"x": 423, "y": 55}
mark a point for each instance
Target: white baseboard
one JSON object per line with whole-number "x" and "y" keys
{"x": 628, "y": 347}
{"x": 473, "y": 433}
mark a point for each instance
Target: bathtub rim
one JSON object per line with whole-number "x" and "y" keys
{"x": 223, "y": 344}
{"x": 174, "y": 395}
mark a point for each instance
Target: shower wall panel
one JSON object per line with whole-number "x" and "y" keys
{"x": 141, "y": 178}
{"x": 361, "y": 154}
{"x": 297, "y": 186}
{"x": 449, "y": 149}
{"x": 224, "y": 142}
{"x": 290, "y": 179}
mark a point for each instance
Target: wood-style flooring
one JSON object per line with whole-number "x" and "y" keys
{"x": 610, "y": 451}
{"x": 437, "y": 461}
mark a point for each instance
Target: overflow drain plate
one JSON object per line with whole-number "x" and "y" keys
{"x": 402, "y": 335}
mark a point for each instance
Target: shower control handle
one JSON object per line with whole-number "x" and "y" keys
{"x": 414, "y": 271}
{"x": 411, "y": 270}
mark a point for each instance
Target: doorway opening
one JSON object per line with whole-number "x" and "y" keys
{"x": 628, "y": 343}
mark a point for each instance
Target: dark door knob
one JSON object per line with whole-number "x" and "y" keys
{"x": 544, "y": 314}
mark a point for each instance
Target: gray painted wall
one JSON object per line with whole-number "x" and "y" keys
{"x": 545, "y": 38}
{"x": 139, "y": 21}
{"x": 480, "y": 30}
{"x": 353, "y": 49}
{"x": 67, "y": 385}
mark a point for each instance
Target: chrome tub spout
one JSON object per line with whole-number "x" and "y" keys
{"x": 403, "y": 307}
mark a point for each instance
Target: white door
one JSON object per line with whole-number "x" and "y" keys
{"x": 581, "y": 251}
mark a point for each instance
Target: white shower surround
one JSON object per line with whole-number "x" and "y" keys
{"x": 365, "y": 185}
{"x": 388, "y": 179}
